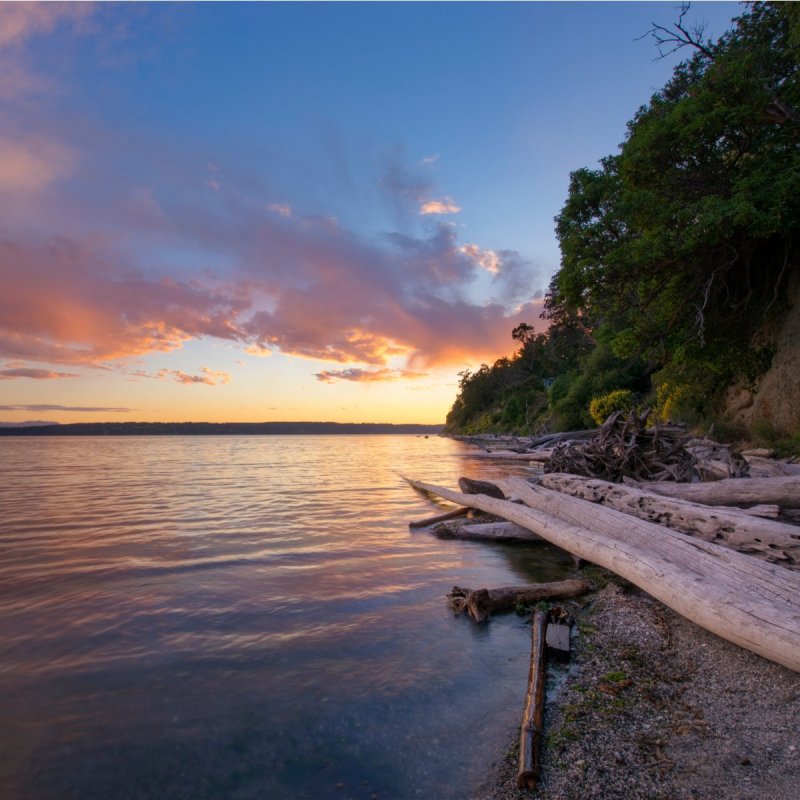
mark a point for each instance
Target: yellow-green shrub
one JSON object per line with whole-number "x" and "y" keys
{"x": 619, "y": 400}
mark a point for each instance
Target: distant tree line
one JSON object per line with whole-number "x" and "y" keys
{"x": 676, "y": 251}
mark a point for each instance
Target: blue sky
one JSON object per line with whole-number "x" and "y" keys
{"x": 292, "y": 211}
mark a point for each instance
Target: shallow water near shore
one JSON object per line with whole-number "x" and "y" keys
{"x": 242, "y": 617}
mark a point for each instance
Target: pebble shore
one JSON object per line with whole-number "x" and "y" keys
{"x": 655, "y": 708}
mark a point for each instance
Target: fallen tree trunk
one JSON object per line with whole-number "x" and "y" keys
{"x": 533, "y": 712}
{"x": 428, "y": 521}
{"x": 481, "y": 603}
{"x": 486, "y": 531}
{"x": 783, "y": 491}
{"x": 746, "y": 601}
{"x": 768, "y": 539}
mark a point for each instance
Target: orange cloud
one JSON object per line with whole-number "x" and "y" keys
{"x": 367, "y": 375}
{"x": 488, "y": 259}
{"x": 209, "y": 377}
{"x": 444, "y": 206}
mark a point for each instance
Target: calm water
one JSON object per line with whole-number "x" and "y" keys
{"x": 246, "y": 617}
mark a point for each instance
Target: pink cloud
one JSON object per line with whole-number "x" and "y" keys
{"x": 36, "y": 374}
{"x": 69, "y": 301}
{"x": 21, "y": 21}
{"x": 29, "y": 165}
{"x": 51, "y": 407}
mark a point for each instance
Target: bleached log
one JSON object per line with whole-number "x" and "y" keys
{"x": 768, "y": 539}
{"x": 486, "y": 531}
{"x": 746, "y": 601}
{"x": 783, "y": 491}
{"x": 770, "y": 468}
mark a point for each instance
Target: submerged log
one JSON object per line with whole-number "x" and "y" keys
{"x": 481, "y": 603}
{"x": 766, "y": 538}
{"x": 486, "y": 531}
{"x": 533, "y": 712}
{"x": 783, "y": 491}
{"x": 435, "y": 520}
{"x": 746, "y": 601}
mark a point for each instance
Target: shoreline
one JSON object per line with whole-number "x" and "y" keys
{"x": 655, "y": 707}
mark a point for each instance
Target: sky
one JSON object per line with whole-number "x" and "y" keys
{"x": 292, "y": 211}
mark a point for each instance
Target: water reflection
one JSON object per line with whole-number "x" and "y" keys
{"x": 246, "y": 617}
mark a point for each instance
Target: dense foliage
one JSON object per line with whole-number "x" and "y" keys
{"x": 679, "y": 247}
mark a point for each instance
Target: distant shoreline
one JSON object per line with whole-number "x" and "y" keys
{"x": 218, "y": 429}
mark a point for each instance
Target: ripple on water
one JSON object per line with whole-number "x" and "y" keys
{"x": 245, "y": 617}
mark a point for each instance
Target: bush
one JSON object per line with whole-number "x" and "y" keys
{"x": 602, "y": 407}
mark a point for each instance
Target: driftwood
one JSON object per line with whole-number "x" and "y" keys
{"x": 742, "y": 599}
{"x": 541, "y": 456}
{"x": 435, "y": 520}
{"x": 771, "y": 468}
{"x": 481, "y": 603}
{"x": 471, "y": 486}
{"x": 783, "y": 491}
{"x": 626, "y": 448}
{"x": 533, "y": 711}
{"x": 486, "y": 531}
{"x": 765, "y": 538}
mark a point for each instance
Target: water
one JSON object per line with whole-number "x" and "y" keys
{"x": 247, "y": 617}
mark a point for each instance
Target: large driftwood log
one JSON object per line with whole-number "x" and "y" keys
{"x": 481, "y": 603}
{"x": 768, "y": 539}
{"x": 746, "y": 601}
{"x": 783, "y": 491}
{"x": 533, "y": 711}
{"x": 486, "y": 531}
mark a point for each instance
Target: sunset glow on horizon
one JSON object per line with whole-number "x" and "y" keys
{"x": 286, "y": 212}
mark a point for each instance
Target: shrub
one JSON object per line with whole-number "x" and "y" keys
{"x": 619, "y": 400}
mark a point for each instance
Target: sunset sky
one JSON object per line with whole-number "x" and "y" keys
{"x": 253, "y": 212}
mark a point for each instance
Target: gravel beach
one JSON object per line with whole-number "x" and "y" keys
{"x": 654, "y": 707}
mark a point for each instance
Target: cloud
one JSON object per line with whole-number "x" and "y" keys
{"x": 281, "y": 209}
{"x": 209, "y": 377}
{"x": 30, "y": 165}
{"x": 37, "y": 374}
{"x": 487, "y": 259}
{"x": 21, "y": 21}
{"x": 68, "y": 301}
{"x": 444, "y": 206}
{"x": 367, "y": 375}
{"x": 426, "y": 161}
{"x": 49, "y": 407}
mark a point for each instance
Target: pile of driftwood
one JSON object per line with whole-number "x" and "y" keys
{"x": 626, "y": 447}
{"x": 678, "y": 517}
{"x": 727, "y": 568}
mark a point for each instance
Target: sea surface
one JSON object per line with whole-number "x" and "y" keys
{"x": 248, "y": 617}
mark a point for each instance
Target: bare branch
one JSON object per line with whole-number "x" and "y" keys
{"x": 671, "y": 39}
